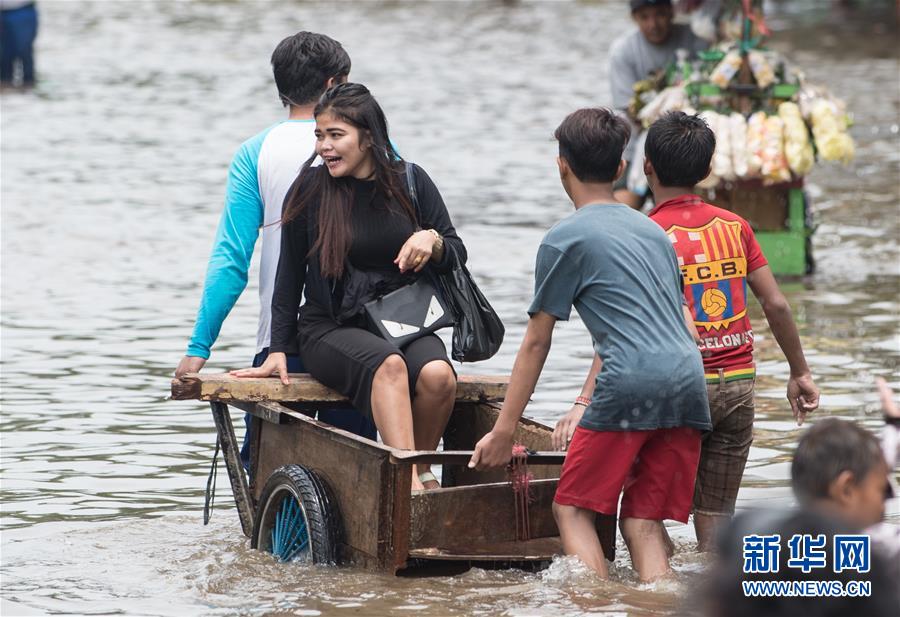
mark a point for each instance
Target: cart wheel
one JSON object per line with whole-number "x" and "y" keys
{"x": 296, "y": 519}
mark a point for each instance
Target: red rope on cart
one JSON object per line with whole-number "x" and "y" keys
{"x": 520, "y": 480}
{"x": 756, "y": 18}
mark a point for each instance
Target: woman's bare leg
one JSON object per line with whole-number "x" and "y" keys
{"x": 391, "y": 409}
{"x": 435, "y": 396}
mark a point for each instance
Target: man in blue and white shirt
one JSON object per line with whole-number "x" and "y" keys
{"x": 261, "y": 172}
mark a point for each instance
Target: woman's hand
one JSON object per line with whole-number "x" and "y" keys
{"x": 275, "y": 363}
{"x": 416, "y": 251}
{"x": 565, "y": 428}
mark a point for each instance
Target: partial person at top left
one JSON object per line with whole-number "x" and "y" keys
{"x": 18, "y": 29}
{"x": 305, "y": 65}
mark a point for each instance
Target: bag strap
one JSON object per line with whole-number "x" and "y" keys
{"x": 210, "y": 498}
{"x": 411, "y": 189}
{"x": 414, "y": 196}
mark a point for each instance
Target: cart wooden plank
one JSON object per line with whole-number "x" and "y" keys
{"x": 461, "y": 457}
{"x": 224, "y": 388}
{"x": 470, "y": 516}
{"x": 277, "y": 413}
{"x": 538, "y": 549}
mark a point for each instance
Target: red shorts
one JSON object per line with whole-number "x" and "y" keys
{"x": 655, "y": 468}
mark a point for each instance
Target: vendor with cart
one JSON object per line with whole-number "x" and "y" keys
{"x": 636, "y": 55}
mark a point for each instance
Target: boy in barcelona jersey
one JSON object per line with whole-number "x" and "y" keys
{"x": 719, "y": 258}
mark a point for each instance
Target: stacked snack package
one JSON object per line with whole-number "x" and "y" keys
{"x": 774, "y": 165}
{"x": 712, "y": 180}
{"x": 756, "y": 131}
{"x": 774, "y": 148}
{"x": 738, "y": 134}
{"x": 829, "y": 129}
{"x": 761, "y": 68}
{"x": 671, "y": 98}
{"x": 726, "y": 69}
{"x": 721, "y": 161}
{"x": 797, "y": 148}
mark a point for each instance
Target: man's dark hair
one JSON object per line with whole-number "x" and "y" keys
{"x": 826, "y": 450}
{"x": 302, "y": 63}
{"x": 639, "y": 4}
{"x": 591, "y": 141}
{"x": 680, "y": 148}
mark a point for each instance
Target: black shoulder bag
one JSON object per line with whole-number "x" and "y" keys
{"x": 478, "y": 331}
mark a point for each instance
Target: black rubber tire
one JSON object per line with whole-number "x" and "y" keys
{"x": 319, "y": 508}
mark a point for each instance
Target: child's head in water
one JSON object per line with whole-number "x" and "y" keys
{"x": 839, "y": 467}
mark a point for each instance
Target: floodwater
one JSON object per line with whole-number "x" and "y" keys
{"x": 112, "y": 181}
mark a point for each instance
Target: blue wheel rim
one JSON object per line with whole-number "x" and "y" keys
{"x": 289, "y": 536}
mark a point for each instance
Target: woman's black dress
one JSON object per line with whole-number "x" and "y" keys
{"x": 339, "y": 351}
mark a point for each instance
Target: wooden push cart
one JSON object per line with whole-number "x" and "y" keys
{"x": 322, "y": 494}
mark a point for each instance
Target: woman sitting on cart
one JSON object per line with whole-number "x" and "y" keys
{"x": 350, "y": 231}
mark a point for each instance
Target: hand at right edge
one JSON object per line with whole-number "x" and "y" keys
{"x": 803, "y": 395}
{"x": 276, "y": 363}
{"x": 189, "y": 364}
{"x": 565, "y": 428}
{"x": 888, "y": 406}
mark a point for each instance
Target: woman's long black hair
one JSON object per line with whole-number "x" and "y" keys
{"x": 354, "y": 104}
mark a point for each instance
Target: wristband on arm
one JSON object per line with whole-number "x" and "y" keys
{"x": 583, "y": 401}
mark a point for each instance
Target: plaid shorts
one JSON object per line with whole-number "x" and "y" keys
{"x": 725, "y": 448}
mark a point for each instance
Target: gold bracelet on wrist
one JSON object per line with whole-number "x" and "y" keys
{"x": 438, "y": 240}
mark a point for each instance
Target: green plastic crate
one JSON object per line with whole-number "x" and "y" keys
{"x": 703, "y": 89}
{"x": 786, "y": 250}
{"x": 784, "y": 91}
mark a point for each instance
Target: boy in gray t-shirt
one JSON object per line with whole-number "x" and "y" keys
{"x": 643, "y": 423}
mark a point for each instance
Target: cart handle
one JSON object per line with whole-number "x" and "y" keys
{"x": 462, "y": 457}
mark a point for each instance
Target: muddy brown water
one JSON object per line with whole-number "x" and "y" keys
{"x": 112, "y": 181}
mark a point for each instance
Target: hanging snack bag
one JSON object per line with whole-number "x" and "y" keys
{"x": 672, "y": 98}
{"x": 797, "y": 147}
{"x": 761, "y": 69}
{"x": 756, "y": 132}
{"x": 737, "y": 132}
{"x": 726, "y": 69}
{"x": 721, "y": 160}
{"x": 830, "y": 132}
{"x": 774, "y": 165}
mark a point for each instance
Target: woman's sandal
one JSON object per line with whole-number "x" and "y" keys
{"x": 429, "y": 477}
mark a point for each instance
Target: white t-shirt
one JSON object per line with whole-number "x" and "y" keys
{"x": 259, "y": 177}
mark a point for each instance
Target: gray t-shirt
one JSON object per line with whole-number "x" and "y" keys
{"x": 632, "y": 58}
{"x": 619, "y": 270}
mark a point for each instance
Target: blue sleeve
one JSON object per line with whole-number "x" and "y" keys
{"x": 557, "y": 282}
{"x": 226, "y": 274}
